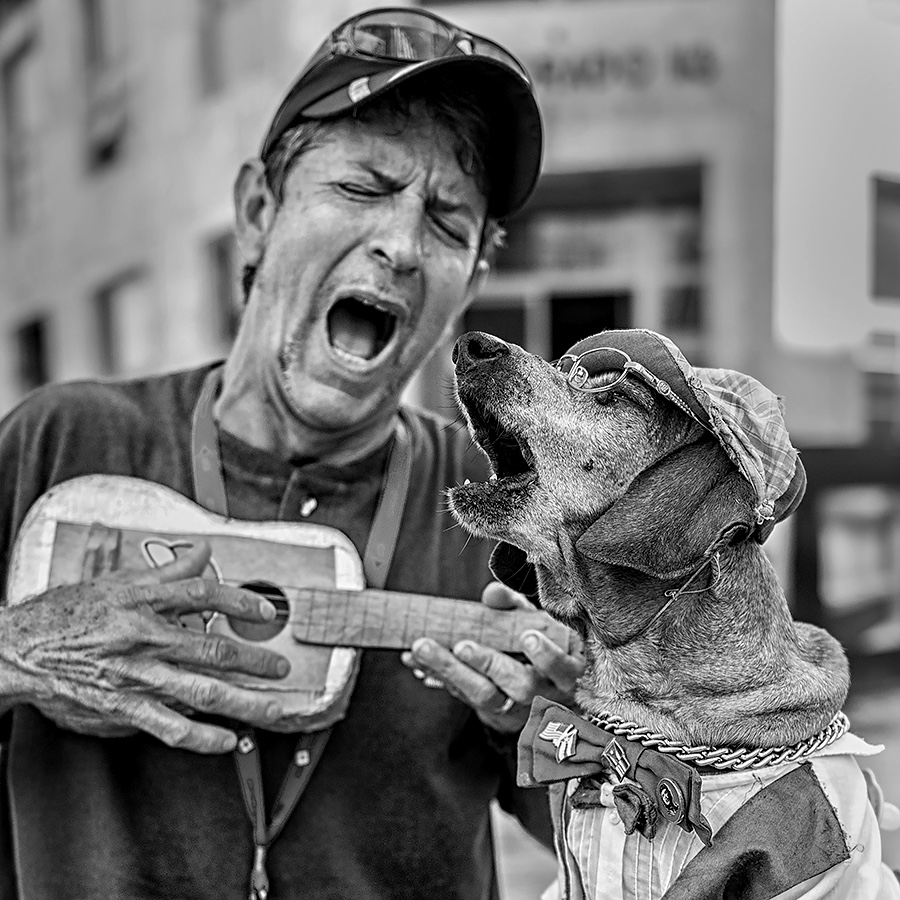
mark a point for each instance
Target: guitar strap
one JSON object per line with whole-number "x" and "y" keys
{"x": 209, "y": 489}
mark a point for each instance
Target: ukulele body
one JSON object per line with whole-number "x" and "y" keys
{"x": 97, "y": 524}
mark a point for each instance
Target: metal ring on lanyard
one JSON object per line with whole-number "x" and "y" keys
{"x": 209, "y": 489}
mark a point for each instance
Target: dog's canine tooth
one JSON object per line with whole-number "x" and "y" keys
{"x": 493, "y": 477}
{"x": 468, "y": 481}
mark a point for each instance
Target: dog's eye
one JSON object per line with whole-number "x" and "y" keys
{"x": 601, "y": 380}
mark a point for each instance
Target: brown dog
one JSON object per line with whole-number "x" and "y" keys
{"x": 633, "y": 492}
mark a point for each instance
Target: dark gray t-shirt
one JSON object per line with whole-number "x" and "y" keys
{"x": 398, "y": 807}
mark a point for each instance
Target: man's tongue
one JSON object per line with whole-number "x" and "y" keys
{"x": 354, "y": 334}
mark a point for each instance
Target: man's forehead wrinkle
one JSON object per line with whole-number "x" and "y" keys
{"x": 445, "y": 197}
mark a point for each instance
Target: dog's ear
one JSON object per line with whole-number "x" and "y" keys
{"x": 510, "y": 565}
{"x": 679, "y": 510}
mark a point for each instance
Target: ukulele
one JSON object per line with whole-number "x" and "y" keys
{"x": 93, "y": 525}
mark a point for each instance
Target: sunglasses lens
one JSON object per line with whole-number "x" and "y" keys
{"x": 603, "y": 359}
{"x": 592, "y": 364}
{"x": 411, "y": 36}
{"x": 402, "y": 36}
{"x": 484, "y": 47}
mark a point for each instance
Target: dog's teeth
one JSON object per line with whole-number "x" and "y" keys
{"x": 468, "y": 481}
{"x": 493, "y": 478}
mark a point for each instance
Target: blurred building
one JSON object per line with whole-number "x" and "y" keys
{"x": 123, "y": 122}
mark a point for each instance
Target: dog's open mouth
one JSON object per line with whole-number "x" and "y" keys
{"x": 509, "y": 454}
{"x": 360, "y": 328}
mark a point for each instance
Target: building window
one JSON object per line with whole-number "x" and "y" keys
{"x": 103, "y": 30}
{"x": 224, "y": 266}
{"x": 886, "y": 238}
{"x": 506, "y": 321}
{"x": 883, "y": 402}
{"x": 128, "y": 327}
{"x": 20, "y": 110}
{"x": 31, "y": 354}
{"x": 231, "y": 41}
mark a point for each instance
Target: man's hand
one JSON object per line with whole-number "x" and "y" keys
{"x": 497, "y": 686}
{"x": 109, "y": 656}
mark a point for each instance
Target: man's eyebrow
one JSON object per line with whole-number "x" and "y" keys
{"x": 382, "y": 178}
{"x": 442, "y": 204}
{"x": 445, "y": 204}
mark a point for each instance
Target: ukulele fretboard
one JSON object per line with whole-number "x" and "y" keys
{"x": 390, "y": 619}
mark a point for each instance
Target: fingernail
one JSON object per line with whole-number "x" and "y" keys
{"x": 283, "y": 667}
{"x": 273, "y": 711}
{"x": 423, "y": 648}
{"x": 267, "y": 610}
{"x": 531, "y": 641}
{"x": 464, "y": 651}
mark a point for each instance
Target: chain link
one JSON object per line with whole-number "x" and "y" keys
{"x": 724, "y": 757}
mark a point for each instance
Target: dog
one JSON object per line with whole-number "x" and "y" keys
{"x": 631, "y": 495}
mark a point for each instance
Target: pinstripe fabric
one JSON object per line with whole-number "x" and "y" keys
{"x": 598, "y": 861}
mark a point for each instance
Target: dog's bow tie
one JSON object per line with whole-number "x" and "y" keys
{"x": 556, "y": 745}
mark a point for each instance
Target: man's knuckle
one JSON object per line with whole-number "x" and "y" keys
{"x": 222, "y": 653}
{"x": 205, "y": 695}
{"x": 483, "y": 695}
{"x": 177, "y": 734}
{"x": 195, "y": 589}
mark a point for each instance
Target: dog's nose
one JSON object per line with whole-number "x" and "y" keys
{"x": 476, "y": 346}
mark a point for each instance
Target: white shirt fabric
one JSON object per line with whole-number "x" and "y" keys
{"x": 598, "y": 861}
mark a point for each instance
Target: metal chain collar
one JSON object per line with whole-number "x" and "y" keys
{"x": 724, "y": 757}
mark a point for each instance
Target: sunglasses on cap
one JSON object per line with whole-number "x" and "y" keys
{"x": 401, "y": 34}
{"x": 578, "y": 370}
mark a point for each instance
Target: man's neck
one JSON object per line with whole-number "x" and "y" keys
{"x": 269, "y": 424}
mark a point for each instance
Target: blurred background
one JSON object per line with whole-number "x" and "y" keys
{"x": 724, "y": 171}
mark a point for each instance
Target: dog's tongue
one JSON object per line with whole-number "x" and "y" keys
{"x": 353, "y": 334}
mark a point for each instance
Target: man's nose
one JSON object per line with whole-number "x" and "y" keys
{"x": 397, "y": 243}
{"x": 475, "y": 347}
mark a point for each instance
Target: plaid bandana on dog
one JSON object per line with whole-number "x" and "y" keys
{"x": 743, "y": 414}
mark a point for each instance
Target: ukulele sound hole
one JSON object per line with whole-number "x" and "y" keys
{"x": 263, "y": 631}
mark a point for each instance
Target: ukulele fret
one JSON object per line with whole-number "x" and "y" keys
{"x": 390, "y": 619}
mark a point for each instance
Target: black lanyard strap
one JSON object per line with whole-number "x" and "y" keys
{"x": 209, "y": 489}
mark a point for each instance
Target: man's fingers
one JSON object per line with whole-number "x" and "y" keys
{"x": 204, "y": 594}
{"x": 220, "y": 653}
{"x": 211, "y": 695}
{"x": 189, "y": 564}
{"x": 156, "y": 719}
{"x": 504, "y": 673}
{"x": 180, "y": 732}
{"x": 498, "y": 596}
{"x": 551, "y": 662}
{"x": 478, "y": 675}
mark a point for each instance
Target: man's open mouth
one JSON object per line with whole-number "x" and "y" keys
{"x": 360, "y": 327}
{"x": 509, "y": 454}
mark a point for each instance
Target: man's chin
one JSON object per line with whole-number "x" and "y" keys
{"x": 337, "y": 409}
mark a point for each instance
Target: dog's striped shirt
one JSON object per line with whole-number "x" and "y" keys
{"x": 811, "y": 828}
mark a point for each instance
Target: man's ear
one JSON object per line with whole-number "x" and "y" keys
{"x": 674, "y": 514}
{"x": 254, "y": 210}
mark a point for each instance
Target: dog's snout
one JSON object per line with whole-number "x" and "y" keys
{"x": 476, "y": 346}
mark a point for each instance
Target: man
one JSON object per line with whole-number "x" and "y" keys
{"x": 367, "y": 225}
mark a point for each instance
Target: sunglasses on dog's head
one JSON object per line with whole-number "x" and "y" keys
{"x": 580, "y": 368}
